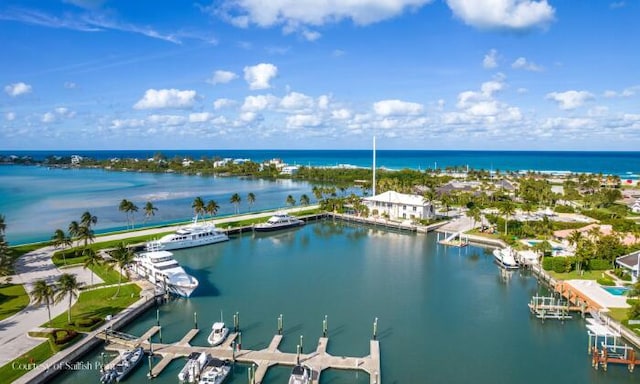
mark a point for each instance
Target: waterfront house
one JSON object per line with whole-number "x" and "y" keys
{"x": 399, "y": 206}
{"x": 631, "y": 263}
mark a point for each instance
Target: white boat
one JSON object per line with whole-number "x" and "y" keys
{"x": 215, "y": 372}
{"x": 128, "y": 361}
{"x": 279, "y": 221}
{"x": 193, "y": 368}
{"x": 192, "y": 235}
{"x": 160, "y": 268}
{"x": 218, "y": 333}
{"x": 505, "y": 257}
{"x": 300, "y": 375}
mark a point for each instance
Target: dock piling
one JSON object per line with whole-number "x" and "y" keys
{"x": 280, "y": 324}
{"x": 195, "y": 320}
{"x": 158, "y": 317}
{"x": 325, "y": 326}
{"x": 301, "y": 345}
{"x": 375, "y": 329}
{"x": 160, "y": 332}
{"x": 150, "y": 366}
{"x": 236, "y": 322}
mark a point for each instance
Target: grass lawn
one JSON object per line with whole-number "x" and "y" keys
{"x": 97, "y": 303}
{"x": 575, "y": 275}
{"x": 619, "y": 314}
{"x": 18, "y": 367}
{"x": 13, "y": 299}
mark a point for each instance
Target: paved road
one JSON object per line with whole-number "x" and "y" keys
{"x": 38, "y": 265}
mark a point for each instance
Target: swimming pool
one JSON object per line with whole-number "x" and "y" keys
{"x": 617, "y": 291}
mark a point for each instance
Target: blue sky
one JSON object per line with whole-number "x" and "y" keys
{"x": 417, "y": 74}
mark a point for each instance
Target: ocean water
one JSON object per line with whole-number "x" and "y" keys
{"x": 619, "y": 163}
{"x": 446, "y": 315}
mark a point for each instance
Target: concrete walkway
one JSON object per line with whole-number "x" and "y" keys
{"x": 37, "y": 265}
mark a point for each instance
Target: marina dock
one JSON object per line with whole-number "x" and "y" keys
{"x": 260, "y": 360}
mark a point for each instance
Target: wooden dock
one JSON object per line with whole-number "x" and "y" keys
{"x": 318, "y": 360}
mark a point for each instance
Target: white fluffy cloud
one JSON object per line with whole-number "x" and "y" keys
{"x": 295, "y": 101}
{"x": 57, "y": 114}
{"x": 523, "y": 63}
{"x": 10, "y": 116}
{"x": 258, "y": 103}
{"x": 70, "y": 85}
{"x": 127, "y": 123}
{"x": 303, "y": 120}
{"x": 166, "y": 98}
{"x": 569, "y": 99}
{"x": 200, "y": 117}
{"x": 503, "y": 14}
{"x": 490, "y": 59}
{"x": 294, "y": 13}
{"x": 259, "y": 76}
{"x": 223, "y": 103}
{"x": 222, "y": 77}
{"x": 396, "y": 107}
{"x": 17, "y": 89}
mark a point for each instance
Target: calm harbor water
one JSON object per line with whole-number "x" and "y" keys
{"x": 446, "y": 315}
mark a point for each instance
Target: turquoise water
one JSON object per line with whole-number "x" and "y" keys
{"x": 37, "y": 200}
{"x": 618, "y": 291}
{"x": 446, "y": 315}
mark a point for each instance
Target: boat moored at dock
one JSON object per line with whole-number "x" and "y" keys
{"x": 160, "y": 268}
{"x": 215, "y": 371}
{"x": 193, "y": 368}
{"x": 279, "y": 221}
{"x": 126, "y": 363}
{"x": 505, "y": 258}
{"x": 192, "y": 235}
{"x": 300, "y": 375}
{"x": 218, "y": 333}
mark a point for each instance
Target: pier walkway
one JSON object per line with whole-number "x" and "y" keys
{"x": 318, "y": 360}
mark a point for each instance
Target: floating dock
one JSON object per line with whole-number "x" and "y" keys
{"x": 260, "y": 360}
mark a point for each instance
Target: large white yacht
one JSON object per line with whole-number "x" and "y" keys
{"x": 192, "y": 235}
{"x": 278, "y": 221}
{"x": 160, "y": 268}
{"x": 505, "y": 258}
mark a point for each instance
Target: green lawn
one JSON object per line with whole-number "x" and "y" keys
{"x": 23, "y": 364}
{"x": 97, "y": 303}
{"x": 13, "y": 299}
{"x": 575, "y": 275}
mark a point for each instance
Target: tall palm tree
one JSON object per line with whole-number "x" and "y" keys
{"x": 86, "y": 235}
{"x": 149, "y": 211}
{"x": 475, "y": 214}
{"x": 290, "y": 201}
{"x": 121, "y": 257}
{"x": 198, "y": 206}
{"x": 132, "y": 211}
{"x": 235, "y": 200}
{"x": 506, "y": 209}
{"x": 3, "y": 225}
{"x": 212, "y": 208}
{"x": 317, "y": 192}
{"x": 67, "y": 286}
{"x": 251, "y": 198}
{"x": 74, "y": 230}
{"x": 304, "y": 200}
{"x": 92, "y": 259}
{"x": 60, "y": 239}
{"x": 88, "y": 220}
{"x": 124, "y": 207}
{"x": 44, "y": 292}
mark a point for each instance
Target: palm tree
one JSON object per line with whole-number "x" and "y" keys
{"x": 74, "y": 230}
{"x": 235, "y": 200}
{"x": 506, "y": 209}
{"x": 291, "y": 201}
{"x": 124, "y": 207}
{"x": 198, "y": 206}
{"x": 60, "y": 239}
{"x": 43, "y": 292}
{"x": 92, "y": 259}
{"x": 121, "y": 257}
{"x": 149, "y": 210}
{"x": 317, "y": 192}
{"x": 88, "y": 220}
{"x": 304, "y": 200}
{"x": 212, "y": 208}
{"x": 132, "y": 210}
{"x": 86, "y": 234}
{"x": 251, "y": 198}
{"x": 67, "y": 286}
{"x": 475, "y": 214}
{"x": 3, "y": 225}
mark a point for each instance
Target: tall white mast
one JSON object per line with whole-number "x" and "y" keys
{"x": 374, "y": 166}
